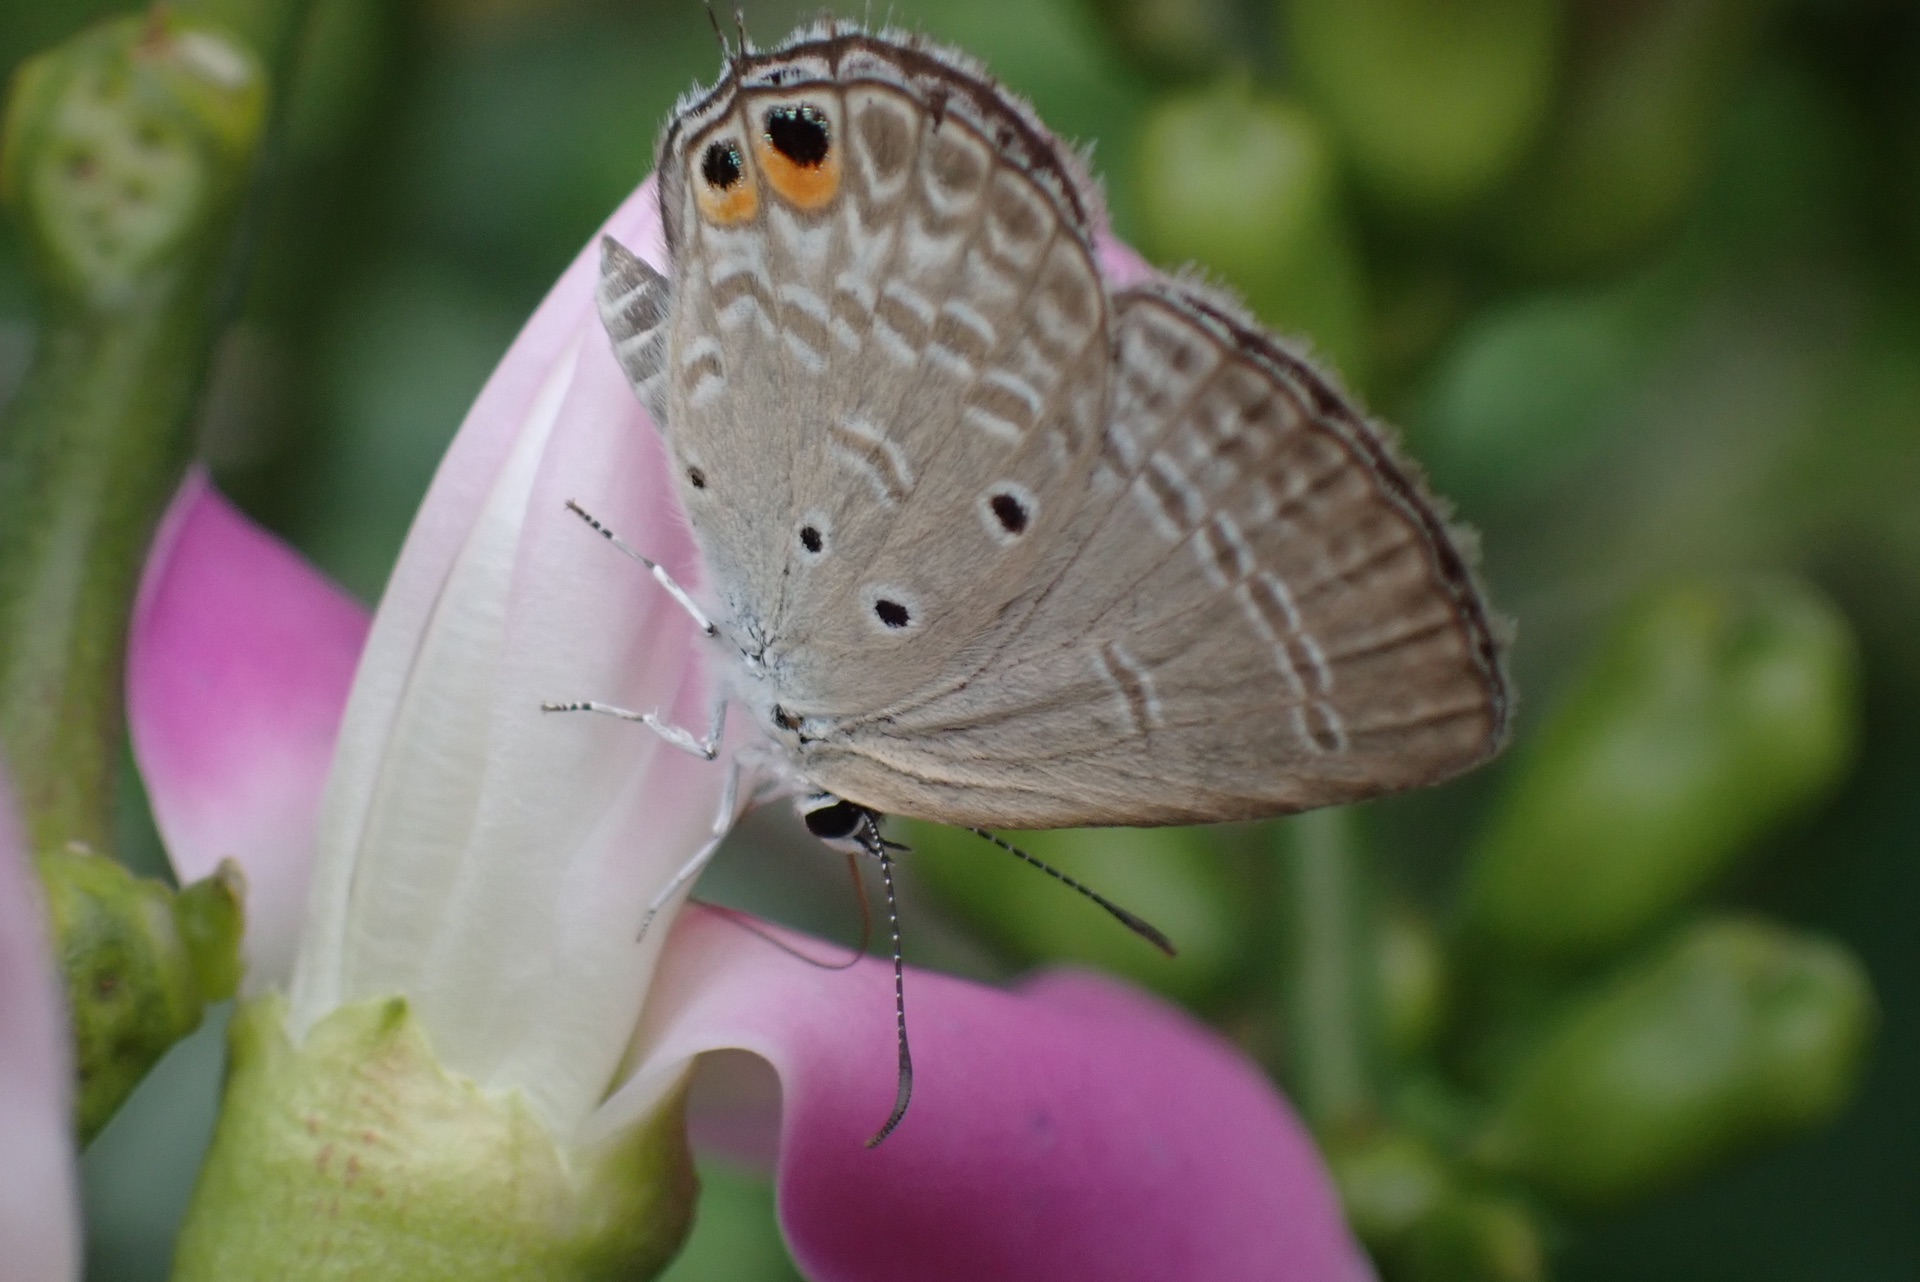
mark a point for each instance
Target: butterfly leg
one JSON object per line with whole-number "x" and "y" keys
{"x": 706, "y": 749}
{"x": 722, "y": 824}
{"x": 658, "y": 571}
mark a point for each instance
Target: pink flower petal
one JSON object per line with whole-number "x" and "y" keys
{"x": 1118, "y": 261}
{"x": 490, "y": 860}
{"x": 237, "y": 672}
{"x": 1072, "y": 1129}
{"x": 39, "y": 1199}
{"x": 513, "y": 398}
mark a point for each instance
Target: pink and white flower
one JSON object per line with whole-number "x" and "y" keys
{"x": 411, "y": 824}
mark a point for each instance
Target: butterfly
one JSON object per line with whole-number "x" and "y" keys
{"x": 991, "y": 540}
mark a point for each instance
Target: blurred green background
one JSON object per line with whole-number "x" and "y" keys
{"x": 1637, "y": 279}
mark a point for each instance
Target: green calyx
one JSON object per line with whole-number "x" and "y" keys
{"x": 141, "y": 963}
{"x": 356, "y": 1155}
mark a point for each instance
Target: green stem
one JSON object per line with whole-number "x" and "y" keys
{"x": 128, "y": 155}
{"x": 90, "y": 450}
{"x": 1326, "y": 977}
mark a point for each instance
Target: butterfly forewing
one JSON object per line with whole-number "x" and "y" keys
{"x": 911, "y": 354}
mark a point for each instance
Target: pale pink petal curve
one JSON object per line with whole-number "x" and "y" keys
{"x": 39, "y": 1198}
{"x": 1119, "y": 263}
{"x": 528, "y": 402}
{"x": 238, "y": 667}
{"x": 1073, "y": 1129}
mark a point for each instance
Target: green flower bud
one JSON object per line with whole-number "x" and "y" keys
{"x": 1245, "y": 186}
{"x": 1432, "y": 104}
{"x": 358, "y": 1149}
{"x": 140, "y": 965}
{"x": 1473, "y": 1238}
{"x": 1173, "y": 877}
{"x": 1715, "y": 711}
{"x": 1176, "y": 39}
{"x": 1737, "y": 1033}
{"x": 1528, "y": 387}
{"x": 1629, "y": 148}
{"x": 119, "y": 143}
{"x": 1389, "y": 1182}
{"x": 1411, "y": 988}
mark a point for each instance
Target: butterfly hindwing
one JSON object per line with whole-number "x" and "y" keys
{"x": 1262, "y": 611}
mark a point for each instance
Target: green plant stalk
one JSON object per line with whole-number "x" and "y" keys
{"x": 1326, "y": 983}
{"x": 90, "y": 451}
{"x": 128, "y": 155}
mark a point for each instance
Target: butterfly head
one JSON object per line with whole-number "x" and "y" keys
{"x": 845, "y": 826}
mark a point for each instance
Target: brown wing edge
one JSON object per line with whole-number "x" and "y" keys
{"x": 948, "y": 79}
{"x": 1454, "y": 548}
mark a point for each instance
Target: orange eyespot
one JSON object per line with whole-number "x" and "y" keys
{"x": 796, "y": 151}
{"x": 723, "y": 186}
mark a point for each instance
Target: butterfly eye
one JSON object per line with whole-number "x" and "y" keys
{"x": 720, "y": 166}
{"x": 832, "y": 819}
{"x": 800, "y": 134}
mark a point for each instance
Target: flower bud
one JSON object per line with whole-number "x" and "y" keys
{"x": 1172, "y": 39}
{"x": 1629, "y": 148}
{"x": 1245, "y": 186}
{"x": 118, "y": 144}
{"x": 422, "y": 1173}
{"x": 1432, "y": 104}
{"x": 1389, "y": 1181}
{"x": 1737, "y": 1033}
{"x": 140, "y": 964}
{"x": 1410, "y": 989}
{"x": 1173, "y": 877}
{"x": 1715, "y": 711}
{"x": 1473, "y": 1237}
{"x": 1528, "y": 389}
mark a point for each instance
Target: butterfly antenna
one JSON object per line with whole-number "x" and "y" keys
{"x": 877, "y": 847}
{"x": 740, "y": 26}
{"x": 713, "y": 20}
{"x": 1137, "y": 924}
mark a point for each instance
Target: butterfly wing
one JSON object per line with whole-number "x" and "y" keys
{"x": 876, "y": 370}
{"x": 1256, "y": 609}
{"x": 1005, "y": 549}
